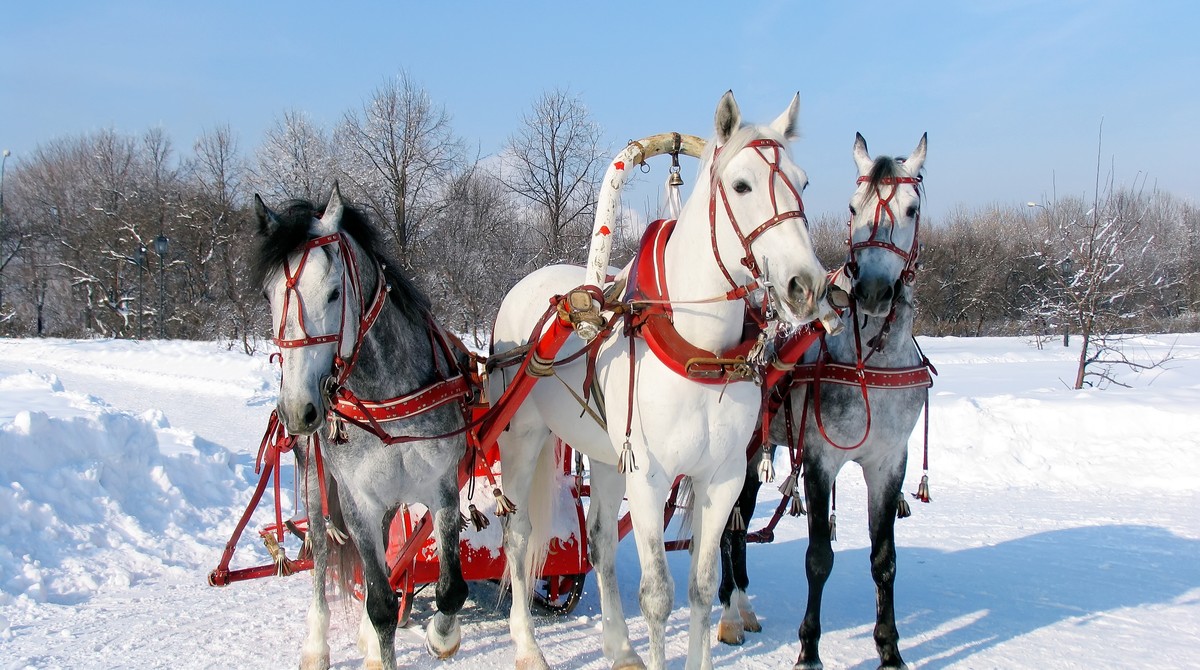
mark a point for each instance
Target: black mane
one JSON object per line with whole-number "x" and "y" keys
{"x": 884, "y": 168}
{"x": 295, "y": 217}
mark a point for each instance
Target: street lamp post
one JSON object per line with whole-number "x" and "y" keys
{"x": 160, "y": 245}
{"x": 3, "y": 163}
{"x": 1065, "y": 269}
{"x": 141, "y": 263}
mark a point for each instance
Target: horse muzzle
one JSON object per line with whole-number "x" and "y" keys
{"x": 874, "y": 296}
{"x": 304, "y": 414}
{"x": 804, "y": 300}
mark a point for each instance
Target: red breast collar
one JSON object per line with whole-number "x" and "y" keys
{"x": 348, "y": 406}
{"x": 655, "y": 321}
{"x": 876, "y": 378}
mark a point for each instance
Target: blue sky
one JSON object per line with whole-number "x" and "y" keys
{"x": 1011, "y": 92}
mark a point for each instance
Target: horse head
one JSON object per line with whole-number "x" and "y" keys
{"x": 885, "y": 213}
{"x": 756, "y": 186}
{"x": 308, "y": 272}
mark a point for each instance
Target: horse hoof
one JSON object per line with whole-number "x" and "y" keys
{"x": 443, "y": 645}
{"x": 531, "y": 663}
{"x": 373, "y": 665}
{"x": 750, "y": 623}
{"x": 730, "y": 634}
{"x": 809, "y": 665}
{"x": 314, "y": 662}
{"x": 442, "y": 655}
{"x": 634, "y": 663}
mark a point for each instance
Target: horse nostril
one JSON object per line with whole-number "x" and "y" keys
{"x": 310, "y": 414}
{"x": 800, "y": 291}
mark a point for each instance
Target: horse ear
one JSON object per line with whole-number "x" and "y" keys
{"x": 268, "y": 223}
{"x": 333, "y": 209}
{"x": 788, "y": 123}
{"x": 861, "y": 158}
{"x": 914, "y": 162}
{"x": 729, "y": 117}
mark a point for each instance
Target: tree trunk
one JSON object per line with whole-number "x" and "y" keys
{"x": 1086, "y": 336}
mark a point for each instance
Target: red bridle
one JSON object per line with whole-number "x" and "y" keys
{"x": 351, "y": 278}
{"x": 749, "y": 260}
{"x": 883, "y": 206}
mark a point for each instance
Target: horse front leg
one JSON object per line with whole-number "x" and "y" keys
{"x": 818, "y": 563}
{"x": 520, "y": 451}
{"x": 883, "y": 491}
{"x": 380, "y": 602}
{"x": 314, "y": 651}
{"x": 608, "y": 489}
{"x": 443, "y": 635}
{"x": 737, "y": 614}
{"x": 711, "y": 505}
{"x": 656, "y": 592}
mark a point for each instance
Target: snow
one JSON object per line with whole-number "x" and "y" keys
{"x": 1064, "y": 530}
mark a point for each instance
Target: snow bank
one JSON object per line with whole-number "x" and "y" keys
{"x": 96, "y": 498}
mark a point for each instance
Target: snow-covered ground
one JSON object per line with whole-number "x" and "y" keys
{"x": 1064, "y": 530}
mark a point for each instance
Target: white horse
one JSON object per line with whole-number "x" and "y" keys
{"x": 743, "y": 223}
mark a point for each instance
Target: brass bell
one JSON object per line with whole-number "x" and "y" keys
{"x": 675, "y": 179}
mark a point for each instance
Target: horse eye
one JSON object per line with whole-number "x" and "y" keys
{"x": 335, "y": 294}
{"x": 910, "y": 212}
{"x": 853, "y": 212}
{"x": 740, "y": 187}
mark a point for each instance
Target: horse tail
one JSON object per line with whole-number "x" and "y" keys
{"x": 542, "y": 492}
{"x": 684, "y": 500}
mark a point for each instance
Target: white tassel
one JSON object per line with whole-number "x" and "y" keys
{"x": 790, "y": 484}
{"x": 736, "y": 522}
{"x": 334, "y": 532}
{"x": 766, "y": 469}
{"x": 504, "y": 506}
{"x": 626, "y": 462}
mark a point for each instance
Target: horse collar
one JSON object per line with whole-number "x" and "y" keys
{"x": 653, "y": 320}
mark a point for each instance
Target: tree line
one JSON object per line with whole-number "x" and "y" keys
{"x": 124, "y": 236}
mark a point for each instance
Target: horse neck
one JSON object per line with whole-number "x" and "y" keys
{"x": 395, "y": 357}
{"x": 692, "y": 273}
{"x": 898, "y": 352}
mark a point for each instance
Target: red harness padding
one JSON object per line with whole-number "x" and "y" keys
{"x": 653, "y": 318}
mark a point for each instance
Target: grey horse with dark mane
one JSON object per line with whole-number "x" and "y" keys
{"x": 354, "y": 334}
{"x": 833, "y": 415}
